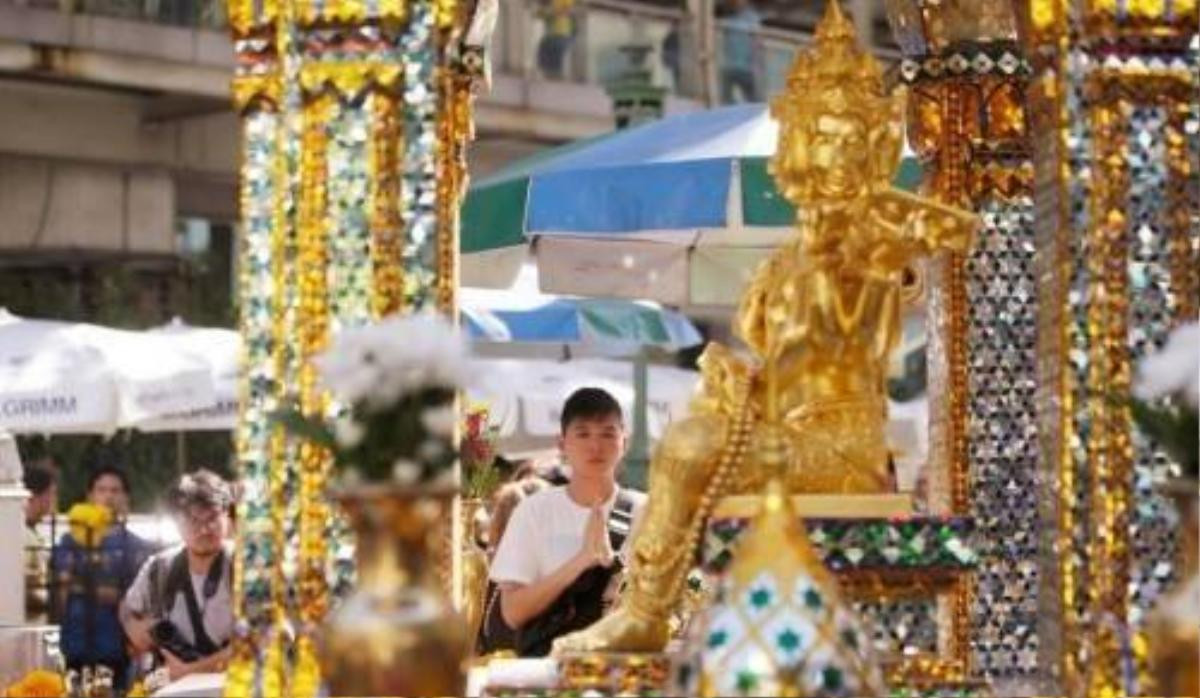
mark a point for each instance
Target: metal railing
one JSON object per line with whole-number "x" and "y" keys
{"x": 575, "y": 41}
{"x": 196, "y": 14}
{"x": 580, "y": 41}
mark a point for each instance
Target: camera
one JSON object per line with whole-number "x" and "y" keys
{"x": 168, "y": 638}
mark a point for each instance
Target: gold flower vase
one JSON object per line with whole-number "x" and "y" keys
{"x": 396, "y": 634}
{"x": 1173, "y": 628}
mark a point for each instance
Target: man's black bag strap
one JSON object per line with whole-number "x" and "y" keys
{"x": 620, "y": 520}
{"x": 178, "y": 581}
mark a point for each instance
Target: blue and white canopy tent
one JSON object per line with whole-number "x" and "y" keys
{"x": 524, "y": 316}
{"x": 679, "y": 210}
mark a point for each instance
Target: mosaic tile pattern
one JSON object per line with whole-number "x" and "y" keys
{"x": 1078, "y": 247}
{"x": 961, "y": 691}
{"x": 1002, "y": 432}
{"x": 348, "y": 278}
{"x": 1156, "y": 288}
{"x": 768, "y": 636}
{"x": 1152, "y": 312}
{"x": 999, "y": 310}
{"x": 998, "y": 57}
{"x": 922, "y": 543}
{"x": 418, "y": 202}
{"x": 256, "y": 290}
{"x": 927, "y": 544}
{"x": 361, "y": 63}
{"x": 902, "y": 627}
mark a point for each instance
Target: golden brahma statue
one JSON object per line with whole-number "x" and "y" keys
{"x": 821, "y": 317}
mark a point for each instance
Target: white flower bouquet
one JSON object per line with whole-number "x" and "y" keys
{"x": 1166, "y": 396}
{"x": 394, "y": 385}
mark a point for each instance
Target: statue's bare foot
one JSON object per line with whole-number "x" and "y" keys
{"x": 620, "y": 631}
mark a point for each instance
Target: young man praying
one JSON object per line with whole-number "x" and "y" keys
{"x": 560, "y": 554}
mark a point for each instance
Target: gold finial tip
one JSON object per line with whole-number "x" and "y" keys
{"x": 833, "y": 13}
{"x": 776, "y": 497}
{"x": 834, "y": 24}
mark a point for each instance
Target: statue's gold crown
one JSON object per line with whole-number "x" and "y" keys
{"x": 834, "y": 76}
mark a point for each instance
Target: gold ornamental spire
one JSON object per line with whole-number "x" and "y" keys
{"x": 779, "y": 626}
{"x": 834, "y": 25}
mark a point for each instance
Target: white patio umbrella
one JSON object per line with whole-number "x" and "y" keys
{"x": 220, "y": 349}
{"x": 60, "y": 377}
{"x": 525, "y": 396}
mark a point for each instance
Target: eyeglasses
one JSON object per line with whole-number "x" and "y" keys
{"x": 203, "y": 523}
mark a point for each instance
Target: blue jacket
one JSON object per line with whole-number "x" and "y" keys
{"x": 93, "y": 582}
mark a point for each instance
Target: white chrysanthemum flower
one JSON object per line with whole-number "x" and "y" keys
{"x": 431, "y": 450}
{"x": 348, "y": 432}
{"x": 397, "y": 356}
{"x": 431, "y": 343}
{"x": 348, "y": 367}
{"x": 1175, "y": 369}
{"x": 354, "y": 384}
{"x": 448, "y": 477}
{"x": 405, "y": 472}
{"x": 440, "y": 421}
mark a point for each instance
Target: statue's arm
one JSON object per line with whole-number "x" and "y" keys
{"x": 873, "y": 310}
{"x": 755, "y": 323}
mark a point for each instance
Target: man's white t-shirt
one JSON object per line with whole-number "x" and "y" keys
{"x": 143, "y": 600}
{"x": 545, "y": 531}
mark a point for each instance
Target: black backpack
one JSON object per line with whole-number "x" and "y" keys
{"x": 580, "y": 604}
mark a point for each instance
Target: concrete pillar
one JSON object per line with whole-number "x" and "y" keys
{"x": 515, "y": 38}
{"x": 12, "y": 540}
{"x": 864, "y": 20}
{"x": 691, "y": 65}
{"x": 706, "y": 24}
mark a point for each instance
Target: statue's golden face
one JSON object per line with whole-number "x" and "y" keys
{"x": 838, "y": 156}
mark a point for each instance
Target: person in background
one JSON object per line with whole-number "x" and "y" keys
{"x": 556, "y": 473}
{"x": 494, "y": 633}
{"x": 670, "y": 55}
{"x": 93, "y": 564}
{"x": 108, "y": 486}
{"x": 180, "y": 606}
{"x": 505, "y": 502}
{"x": 556, "y": 40}
{"x": 523, "y": 470}
{"x": 41, "y": 481}
{"x": 739, "y": 52}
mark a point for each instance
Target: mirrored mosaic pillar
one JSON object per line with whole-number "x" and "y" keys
{"x": 967, "y": 74}
{"x": 1116, "y": 101}
{"x": 355, "y": 116}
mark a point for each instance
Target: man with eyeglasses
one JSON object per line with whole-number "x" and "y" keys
{"x": 180, "y": 606}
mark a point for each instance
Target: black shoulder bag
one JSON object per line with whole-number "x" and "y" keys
{"x": 164, "y": 632}
{"x": 582, "y": 603}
